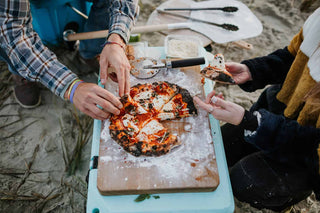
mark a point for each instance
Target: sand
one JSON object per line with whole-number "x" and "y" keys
{"x": 33, "y": 176}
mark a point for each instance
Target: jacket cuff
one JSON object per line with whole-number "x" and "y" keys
{"x": 249, "y": 121}
{"x": 252, "y": 85}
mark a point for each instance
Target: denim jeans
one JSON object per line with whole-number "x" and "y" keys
{"x": 98, "y": 20}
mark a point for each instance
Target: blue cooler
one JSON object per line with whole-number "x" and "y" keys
{"x": 50, "y": 17}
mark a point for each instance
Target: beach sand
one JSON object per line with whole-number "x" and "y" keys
{"x": 37, "y": 145}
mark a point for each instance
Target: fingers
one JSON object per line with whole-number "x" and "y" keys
{"x": 209, "y": 108}
{"x": 209, "y": 96}
{"x": 88, "y": 97}
{"x": 109, "y": 97}
{"x": 127, "y": 85}
{"x": 97, "y": 114}
{"x": 121, "y": 80}
{"x": 103, "y": 71}
{"x": 217, "y": 101}
{"x": 213, "y": 94}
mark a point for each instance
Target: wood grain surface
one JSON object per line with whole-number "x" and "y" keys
{"x": 191, "y": 167}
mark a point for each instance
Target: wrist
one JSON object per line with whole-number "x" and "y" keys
{"x": 249, "y": 121}
{"x": 68, "y": 95}
{"x": 116, "y": 38}
{"x": 247, "y": 71}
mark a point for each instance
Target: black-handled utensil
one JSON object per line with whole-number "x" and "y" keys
{"x": 178, "y": 63}
{"x": 224, "y": 9}
{"x": 145, "y": 67}
{"x": 225, "y": 26}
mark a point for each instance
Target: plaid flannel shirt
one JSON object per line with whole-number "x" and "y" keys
{"x": 34, "y": 61}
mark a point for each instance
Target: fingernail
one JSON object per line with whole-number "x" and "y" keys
{"x": 214, "y": 99}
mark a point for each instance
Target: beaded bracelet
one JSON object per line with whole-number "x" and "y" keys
{"x": 113, "y": 42}
{"x": 74, "y": 89}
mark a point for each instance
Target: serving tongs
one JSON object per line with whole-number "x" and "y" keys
{"x": 225, "y": 26}
{"x": 228, "y": 9}
{"x": 146, "y": 67}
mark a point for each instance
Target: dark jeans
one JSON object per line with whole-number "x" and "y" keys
{"x": 98, "y": 20}
{"x": 255, "y": 178}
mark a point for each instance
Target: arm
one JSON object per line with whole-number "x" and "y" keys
{"x": 35, "y": 62}
{"x": 123, "y": 15}
{"x": 270, "y": 69}
{"x": 286, "y": 140}
{"x": 30, "y": 58}
{"x": 280, "y": 138}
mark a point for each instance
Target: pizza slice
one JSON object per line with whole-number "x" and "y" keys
{"x": 153, "y": 96}
{"x": 128, "y": 123}
{"x": 153, "y": 139}
{"x": 180, "y": 106}
{"x": 164, "y": 91}
{"x": 217, "y": 71}
{"x": 143, "y": 94}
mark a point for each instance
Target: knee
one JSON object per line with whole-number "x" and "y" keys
{"x": 254, "y": 182}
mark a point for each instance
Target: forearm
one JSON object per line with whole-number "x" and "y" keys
{"x": 284, "y": 139}
{"x": 123, "y": 14}
{"x": 270, "y": 69}
{"x": 40, "y": 66}
{"x": 27, "y": 54}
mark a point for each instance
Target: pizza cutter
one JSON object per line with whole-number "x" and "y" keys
{"x": 146, "y": 67}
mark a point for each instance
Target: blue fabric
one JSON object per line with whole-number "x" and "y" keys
{"x": 118, "y": 16}
{"x": 98, "y": 19}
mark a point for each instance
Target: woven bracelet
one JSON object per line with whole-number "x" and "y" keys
{"x": 113, "y": 42}
{"x": 74, "y": 89}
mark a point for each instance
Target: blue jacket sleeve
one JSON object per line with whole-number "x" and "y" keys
{"x": 270, "y": 69}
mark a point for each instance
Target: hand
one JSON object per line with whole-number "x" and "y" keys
{"x": 240, "y": 72}
{"x": 88, "y": 95}
{"x": 220, "y": 109}
{"x": 114, "y": 56}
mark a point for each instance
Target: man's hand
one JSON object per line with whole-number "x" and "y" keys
{"x": 240, "y": 72}
{"x": 88, "y": 95}
{"x": 114, "y": 56}
{"x": 220, "y": 109}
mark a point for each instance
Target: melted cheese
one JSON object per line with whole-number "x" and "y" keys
{"x": 152, "y": 127}
{"x": 166, "y": 116}
{"x": 218, "y": 62}
{"x": 168, "y": 107}
{"x": 128, "y": 121}
{"x": 143, "y": 95}
{"x": 141, "y": 110}
{"x": 158, "y": 102}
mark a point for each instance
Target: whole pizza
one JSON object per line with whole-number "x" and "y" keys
{"x": 138, "y": 127}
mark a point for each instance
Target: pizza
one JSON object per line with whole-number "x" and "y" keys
{"x": 138, "y": 128}
{"x": 217, "y": 71}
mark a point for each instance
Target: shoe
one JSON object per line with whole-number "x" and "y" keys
{"x": 26, "y": 93}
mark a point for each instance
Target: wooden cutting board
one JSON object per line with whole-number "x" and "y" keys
{"x": 191, "y": 167}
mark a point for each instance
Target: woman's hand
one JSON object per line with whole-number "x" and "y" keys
{"x": 88, "y": 95}
{"x": 114, "y": 56}
{"x": 220, "y": 109}
{"x": 240, "y": 72}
